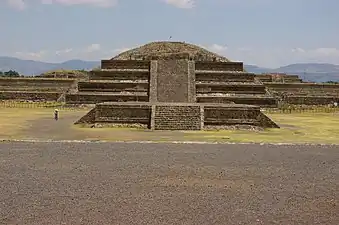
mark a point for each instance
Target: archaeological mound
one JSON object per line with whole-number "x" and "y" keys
{"x": 173, "y": 86}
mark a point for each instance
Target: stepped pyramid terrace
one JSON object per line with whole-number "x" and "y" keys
{"x": 173, "y": 86}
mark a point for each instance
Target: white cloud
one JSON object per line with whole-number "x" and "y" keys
{"x": 63, "y": 51}
{"x": 326, "y": 52}
{"x": 17, "y": 4}
{"x": 183, "y": 4}
{"x": 93, "y": 48}
{"x": 101, "y": 3}
{"x": 21, "y": 4}
{"x": 217, "y": 48}
{"x": 31, "y": 55}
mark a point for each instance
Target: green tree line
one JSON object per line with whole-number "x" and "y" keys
{"x": 10, "y": 73}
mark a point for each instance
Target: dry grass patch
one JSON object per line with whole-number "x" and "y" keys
{"x": 295, "y": 128}
{"x": 15, "y": 123}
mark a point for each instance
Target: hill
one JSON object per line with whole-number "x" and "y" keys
{"x": 30, "y": 67}
{"x": 316, "y": 72}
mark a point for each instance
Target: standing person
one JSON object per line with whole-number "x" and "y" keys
{"x": 56, "y": 114}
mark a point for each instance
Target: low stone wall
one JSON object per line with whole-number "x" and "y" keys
{"x": 88, "y": 118}
{"x": 29, "y": 96}
{"x": 125, "y": 64}
{"x": 127, "y": 113}
{"x": 119, "y": 75}
{"x": 230, "y": 88}
{"x": 279, "y": 78}
{"x": 310, "y": 100}
{"x": 36, "y": 84}
{"x": 177, "y": 117}
{"x": 303, "y": 88}
{"x": 217, "y": 76}
{"x": 219, "y": 66}
{"x": 113, "y": 86}
{"x": 93, "y": 98}
{"x": 266, "y": 102}
{"x": 228, "y": 115}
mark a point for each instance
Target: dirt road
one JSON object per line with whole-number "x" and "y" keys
{"x": 120, "y": 183}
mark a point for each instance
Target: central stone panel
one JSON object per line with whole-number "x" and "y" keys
{"x": 172, "y": 81}
{"x": 177, "y": 116}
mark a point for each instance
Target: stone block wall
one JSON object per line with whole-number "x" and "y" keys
{"x": 125, "y": 64}
{"x": 303, "y": 89}
{"x": 113, "y": 86}
{"x": 223, "y": 115}
{"x": 82, "y": 98}
{"x": 123, "y": 113}
{"x": 230, "y": 88}
{"x": 267, "y": 102}
{"x": 279, "y": 78}
{"x": 219, "y": 66}
{"x": 119, "y": 75}
{"x": 172, "y": 81}
{"x": 217, "y": 76}
{"x": 310, "y": 100}
{"x": 29, "y": 96}
{"x": 176, "y": 117}
{"x": 35, "y": 84}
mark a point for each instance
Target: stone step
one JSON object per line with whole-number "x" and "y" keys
{"x": 224, "y": 72}
{"x": 29, "y": 95}
{"x": 229, "y": 122}
{"x": 120, "y": 74}
{"x": 219, "y": 66}
{"x": 113, "y": 86}
{"x": 310, "y": 100}
{"x": 116, "y": 81}
{"x": 85, "y": 93}
{"x": 125, "y": 64}
{"x": 123, "y": 120}
{"x": 233, "y": 87}
{"x": 263, "y": 101}
{"x": 98, "y": 97}
{"x": 221, "y": 76}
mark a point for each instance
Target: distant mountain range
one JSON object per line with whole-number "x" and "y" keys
{"x": 316, "y": 72}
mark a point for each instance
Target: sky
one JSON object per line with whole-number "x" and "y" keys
{"x": 267, "y": 33}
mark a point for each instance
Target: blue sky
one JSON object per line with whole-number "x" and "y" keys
{"x": 268, "y": 33}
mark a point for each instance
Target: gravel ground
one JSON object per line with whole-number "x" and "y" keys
{"x": 121, "y": 183}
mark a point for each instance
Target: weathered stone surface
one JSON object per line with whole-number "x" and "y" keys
{"x": 219, "y": 66}
{"x": 170, "y": 50}
{"x": 31, "y": 96}
{"x": 117, "y": 86}
{"x": 93, "y": 98}
{"x": 174, "y": 81}
{"x": 125, "y": 64}
{"x": 177, "y": 117}
{"x": 280, "y": 78}
{"x": 140, "y": 74}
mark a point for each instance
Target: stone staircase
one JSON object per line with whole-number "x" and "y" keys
{"x": 237, "y": 87}
{"x": 118, "y": 81}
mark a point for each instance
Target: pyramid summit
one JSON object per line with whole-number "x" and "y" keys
{"x": 165, "y": 49}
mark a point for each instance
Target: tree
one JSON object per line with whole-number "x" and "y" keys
{"x": 11, "y": 73}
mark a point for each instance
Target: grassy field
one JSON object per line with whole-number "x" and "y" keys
{"x": 38, "y": 123}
